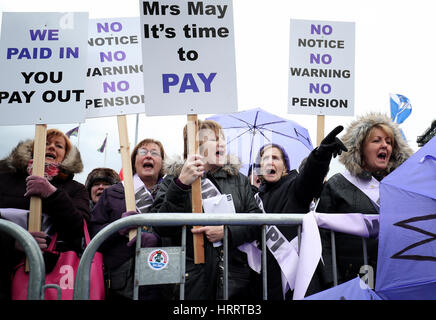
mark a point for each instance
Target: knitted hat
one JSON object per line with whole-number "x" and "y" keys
{"x": 101, "y": 174}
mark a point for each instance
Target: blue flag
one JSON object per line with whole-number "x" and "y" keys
{"x": 406, "y": 265}
{"x": 400, "y": 108}
{"x": 354, "y": 289}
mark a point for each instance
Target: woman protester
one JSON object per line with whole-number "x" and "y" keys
{"x": 98, "y": 180}
{"x": 376, "y": 147}
{"x": 65, "y": 202}
{"x": 286, "y": 191}
{"x": 219, "y": 174}
{"x": 118, "y": 252}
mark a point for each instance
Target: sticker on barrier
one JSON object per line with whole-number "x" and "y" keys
{"x": 158, "y": 259}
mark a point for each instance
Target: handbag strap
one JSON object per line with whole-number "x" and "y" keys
{"x": 52, "y": 245}
{"x": 85, "y": 231}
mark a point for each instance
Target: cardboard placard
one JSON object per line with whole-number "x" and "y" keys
{"x": 321, "y": 68}
{"x": 114, "y": 83}
{"x": 188, "y": 53}
{"x": 43, "y": 65}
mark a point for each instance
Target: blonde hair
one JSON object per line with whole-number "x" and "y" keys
{"x": 385, "y": 128}
{"x": 202, "y": 125}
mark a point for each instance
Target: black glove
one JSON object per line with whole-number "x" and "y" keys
{"x": 331, "y": 145}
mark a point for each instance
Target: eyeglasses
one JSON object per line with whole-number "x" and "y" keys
{"x": 153, "y": 153}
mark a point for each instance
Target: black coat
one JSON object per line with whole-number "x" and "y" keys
{"x": 293, "y": 193}
{"x": 202, "y": 280}
{"x": 341, "y": 196}
{"x": 67, "y": 207}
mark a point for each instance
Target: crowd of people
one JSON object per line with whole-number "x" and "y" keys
{"x": 370, "y": 149}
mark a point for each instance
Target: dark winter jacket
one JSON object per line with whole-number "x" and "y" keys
{"x": 293, "y": 193}
{"x": 201, "y": 279}
{"x": 66, "y": 207}
{"x": 341, "y": 196}
{"x": 118, "y": 258}
{"x": 109, "y": 208}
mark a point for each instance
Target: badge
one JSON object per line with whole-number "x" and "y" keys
{"x": 158, "y": 259}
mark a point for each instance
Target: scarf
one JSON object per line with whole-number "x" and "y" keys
{"x": 51, "y": 170}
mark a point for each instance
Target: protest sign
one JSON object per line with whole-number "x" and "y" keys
{"x": 42, "y": 79}
{"x": 114, "y": 84}
{"x": 188, "y": 53}
{"x": 321, "y": 70}
{"x": 43, "y": 62}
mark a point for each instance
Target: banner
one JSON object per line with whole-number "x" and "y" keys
{"x": 188, "y": 52}
{"x": 42, "y": 62}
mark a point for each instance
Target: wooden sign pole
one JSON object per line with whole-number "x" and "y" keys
{"x": 193, "y": 148}
{"x": 320, "y": 129}
{"x": 129, "y": 193}
{"x": 37, "y": 170}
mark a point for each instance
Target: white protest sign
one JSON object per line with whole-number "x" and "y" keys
{"x": 114, "y": 83}
{"x": 321, "y": 68}
{"x": 188, "y": 52}
{"x": 43, "y": 66}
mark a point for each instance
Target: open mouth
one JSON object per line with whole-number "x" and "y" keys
{"x": 148, "y": 165}
{"x": 382, "y": 155}
{"x": 50, "y": 156}
{"x": 270, "y": 171}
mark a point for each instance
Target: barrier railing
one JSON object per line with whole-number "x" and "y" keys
{"x": 34, "y": 256}
{"x": 82, "y": 281}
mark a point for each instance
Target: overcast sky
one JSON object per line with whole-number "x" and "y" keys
{"x": 395, "y": 52}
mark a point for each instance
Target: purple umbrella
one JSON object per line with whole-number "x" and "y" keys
{"x": 406, "y": 266}
{"x": 247, "y": 131}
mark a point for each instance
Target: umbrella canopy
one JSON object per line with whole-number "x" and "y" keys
{"x": 247, "y": 131}
{"x": 406, "y": 267}
{"x": 354, "y": 289}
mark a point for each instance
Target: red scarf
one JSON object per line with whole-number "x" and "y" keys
{"x": 51, "y": 169}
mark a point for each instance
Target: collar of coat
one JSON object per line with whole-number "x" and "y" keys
{"x": 19, "y": 157}
{"x": 173, "y": 167}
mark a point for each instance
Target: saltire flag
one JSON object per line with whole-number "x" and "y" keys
{"x": 400, "y": 109}
{"x": 406, "y": 264}
{"x": 354, "y": 289}
{"x": 103, "y": 146}
{"x": 73, "y": 132}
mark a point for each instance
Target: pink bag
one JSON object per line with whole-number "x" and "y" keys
{"x": 63, "y": 275}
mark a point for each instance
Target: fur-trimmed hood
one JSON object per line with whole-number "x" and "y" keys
{"x": 18, "y": 159}
{"x": 354, "y": 138}
{"x": 173, "y": 166}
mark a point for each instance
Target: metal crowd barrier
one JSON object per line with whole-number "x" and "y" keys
{"x": 82, "y": 281}
{"x": 34, "y": 257}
